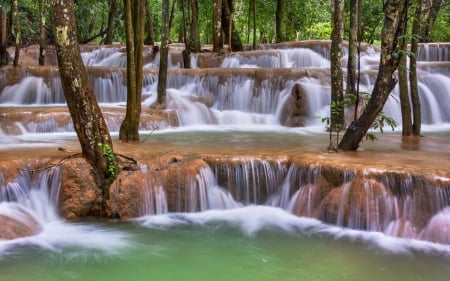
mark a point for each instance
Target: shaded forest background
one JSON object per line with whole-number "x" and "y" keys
{"x": 102, "y": 21}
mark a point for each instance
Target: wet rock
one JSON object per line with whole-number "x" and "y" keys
{"x": 17, "y": 224}
{"x": 297, "y": 111}
{"x": 79, "y": 193}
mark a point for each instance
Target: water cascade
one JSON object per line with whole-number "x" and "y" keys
{"x": 225, "y": 170}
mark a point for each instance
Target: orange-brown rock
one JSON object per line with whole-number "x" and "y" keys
{"x": 79, "y": 196}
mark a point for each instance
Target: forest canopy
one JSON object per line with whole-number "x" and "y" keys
{"x": 301, "y": 20}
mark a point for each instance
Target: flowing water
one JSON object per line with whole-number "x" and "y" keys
{"x": 239, "y": 221}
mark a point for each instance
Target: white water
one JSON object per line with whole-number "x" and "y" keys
{"x": 254, "y": 219}
{"x": 36, "y": 196}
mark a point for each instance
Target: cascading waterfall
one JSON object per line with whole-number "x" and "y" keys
{"x": 236, "y": 100}
{"x": 203, "y": 193}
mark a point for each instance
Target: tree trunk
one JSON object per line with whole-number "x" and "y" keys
{"x": 413, "y": 86}
{"x": 337, "y": 84}
{"x": 4, "y": 56}
{"x": 42, "y": 5}
{"x": 195, "y": 33}
{"x": 428, "y": 16}
{"x": 111, "y": 19}
{"x": 254, "y": 23}
{"x": 352, "y": 48}
{"x": 16, "y": 29}
{"x": 149, "y": 25}
{"x": 403, "y": 89}
{"x": 164, "y": 55}
{"x": 88, "y": 121}
{"x": 394, "y": 26}
{"x": 278, "y": 21}
{"x": 134, "y": 31}
{"x": 217, "y": 26}
{"x": 227, "y": 23}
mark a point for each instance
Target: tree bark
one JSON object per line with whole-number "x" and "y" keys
{"x": 195, "y": 33}
{"x": 4, "y": 56}
{"x": 17, "y": 33}
{"x": 337, "y": 84}
{"x": 217, "y": 26}
{"x": 352, "y": 48}
{"x": 149, "y": 40}
{"x": 278, "y": 21}
{"x": 134, "y": 31}
{"x": 88, "y": 121}
{"x": 42, "y": 5}
{"x": 394, "y": 26}
{"x": 164, "y": 55}
{"x": 403, "y": 89}
{"x": 111, "y": 19}
{"x": 227, "y": 24}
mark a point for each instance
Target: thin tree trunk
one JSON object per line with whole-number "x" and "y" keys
{"x": 164, "y": 56}
{"x": 4, "y": 56}
{"x": 42, "y": 5}
{"x": 16, "y": 29}
{"x": 278, "y": 21}
{"x": 149, "y": 25}
{"x": 352, "y": 48}
{"x": 413, "y": 86}
{"x": 111, "y": 18}
{"x": 254, "y": 24}
{"x": 134, "y": 25}
{"x": 337, "y": 84}
{"x": 89, "y": 124}
{"x": 394, "y": 26}
{"x": 217, "y": 26}
{"x": 227, "y": 24}
{"x": 195, "y": 33}
{"x": 403, "y": 89}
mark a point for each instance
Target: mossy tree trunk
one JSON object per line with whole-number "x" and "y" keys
{"x": 88, "y": 121}
{"x": 134, "y": 31}
{"x": 352, "y": 50}
{"x": 394, "y": 26}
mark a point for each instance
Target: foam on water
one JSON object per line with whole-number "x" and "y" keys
{"x": 253, "y": 219}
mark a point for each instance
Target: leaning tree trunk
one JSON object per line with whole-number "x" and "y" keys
{"x": 88, "y": 121}
{"x": 164, "y": 55}
{"x": 134, "y": 31}
{"x": 394, "y": 26}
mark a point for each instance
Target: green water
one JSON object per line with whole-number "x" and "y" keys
{"x": 236, "y": 248}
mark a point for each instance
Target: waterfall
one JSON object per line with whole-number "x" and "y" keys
{"x": 34, "y": 194}
{"x": 203, "y": 193}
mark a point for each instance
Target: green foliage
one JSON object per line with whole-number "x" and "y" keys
{"x": 111, "y": 161}
{"x": 441, "y": 28}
